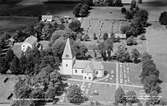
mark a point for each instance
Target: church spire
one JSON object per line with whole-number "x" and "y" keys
{"x": 67, "y": 54}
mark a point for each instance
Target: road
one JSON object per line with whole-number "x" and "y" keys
{"x": 106, "y": 83}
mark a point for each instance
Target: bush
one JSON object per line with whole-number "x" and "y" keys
{"x": 75, "y": 25}
{"x": 88, "y": 2}
{"x": 76, "y": 9}
{"x": 74, "y": 95}
{"x": 81, "y": 10}
{"x": 163, "y": 18}
{"x": 125, "y": 29}
{"x": 133, "y": 4}
{"x": 142, "y": 37}
{"x": 129, "y": 15}
{"x": 131, "y": 41}
{"x": 123, "y": 10}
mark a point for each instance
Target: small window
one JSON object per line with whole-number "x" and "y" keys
{"x": 89, "y": 77}
{"x": 85, "y": 77}
{"x": 66, "y": 65}
{"x": 96, "y": 72}
{"x": 82, "y": 71}
{"x": 75, "y": 71}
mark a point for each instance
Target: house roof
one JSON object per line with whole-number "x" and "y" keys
{"x": 67, "y": 54}
{"x": 17, "y": 49}
{"x": 31, "y": 40}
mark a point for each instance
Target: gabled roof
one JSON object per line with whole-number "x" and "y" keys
{"x": 67, "y": 54}
{"x": 89, "y": 69}
{"x": 17, "y": 49}
{"x": 81, "y": 64}
{"x": 31, "y": 40}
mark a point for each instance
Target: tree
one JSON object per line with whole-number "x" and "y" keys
{"x": 23, "y": 64}
{"x": 131, "y": 97}
{"x": 129, "y": 15}
{"x": 15, "y": 66}
{"x": 79, "y": 50}
{"x": 94, "y": 36}
{"x": 142, "y": 16}
{"x": 123, "y": 10}
{"x": 84, "y": 11}
{"x": 125, "y": 28}
{"x": 120, "y": 96}
{"x": 122, "y": 54}
{"x": 135, "y": 54}
{"x": 9, "y": 55}
{"x": 117, "y": 3}
{"x": 133, "y": 4}
{"x": 162, "y": 18}
{"x": 106, "y": 48}
{"x": 131, "y": 41}
{"x": 105, "y": 36}
{"x": 146, "y": 56}
{"x": 75, "y": 25}
{"x": 58, "y": 47}
{"x": 4, "y": 65}
{"x": 76, "y": 9}
{"x": 74, "y": 95}
{"x": 56, "y": 35}
{"x": 88, "y": 2}
{"x": 47, "y": 31}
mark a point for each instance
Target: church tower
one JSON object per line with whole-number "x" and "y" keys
{"x": 67, "y": 59}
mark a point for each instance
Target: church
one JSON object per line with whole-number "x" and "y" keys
{"x": 88, "y": 69}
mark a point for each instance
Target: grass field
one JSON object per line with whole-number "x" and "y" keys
{"x": 14, "y": 23}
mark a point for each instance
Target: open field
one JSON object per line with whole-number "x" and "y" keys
{"x": 14, "y": 23}
{"x": 156, "y": 46}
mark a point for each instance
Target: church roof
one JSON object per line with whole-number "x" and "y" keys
{"x": 89, "y": 69}
{"x": 67, "y": 54}
{"x": 81, "y": 64}
{"x": 90, "y": 66}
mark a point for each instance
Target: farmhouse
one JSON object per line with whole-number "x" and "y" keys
{"x": 88, "y": 69}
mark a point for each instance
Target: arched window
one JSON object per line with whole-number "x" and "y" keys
{"x": 66, "y": 65}
{"x": 75, "y": 71}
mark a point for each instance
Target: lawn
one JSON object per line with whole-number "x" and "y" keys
{"x": 15, "y": 23}
{"x": 38, "y": 9}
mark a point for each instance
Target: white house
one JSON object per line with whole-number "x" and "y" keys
{"x": 30, "y": 42}
{"x": 88, "y": 69}
{"x": 47, "y": 18}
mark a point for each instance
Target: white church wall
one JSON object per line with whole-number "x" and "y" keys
{"x": 78, "y": 71}
{"x": 67, "y": 66}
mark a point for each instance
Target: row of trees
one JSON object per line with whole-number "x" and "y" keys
{"x": 38, "y": 89}
{"x": 81, "y": 10}
{"x": 108, "y": 3}
{"x": 138, "y": 18}
{"x": 130, "y": 97}
{"x": 150, "y": 79}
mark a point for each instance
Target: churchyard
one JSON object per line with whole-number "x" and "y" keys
{"x": 109, "y": 20}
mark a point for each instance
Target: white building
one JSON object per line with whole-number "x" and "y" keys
{"x": 47, "y": 18}
{"x": 30, "y": 42}
{"x": 88, "y": 69}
